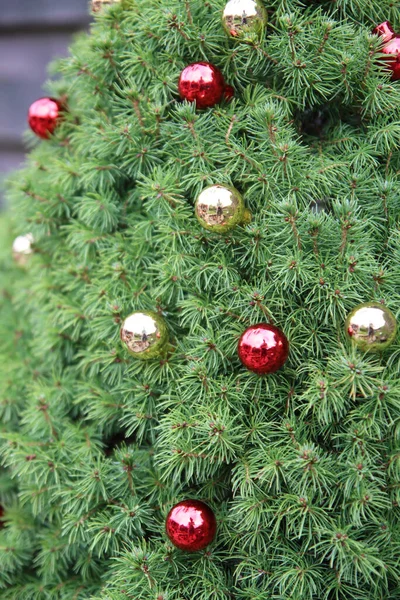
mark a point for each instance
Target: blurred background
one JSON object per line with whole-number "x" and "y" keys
{"x": 32, "y": 33}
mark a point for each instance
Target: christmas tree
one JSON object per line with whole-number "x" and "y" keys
{"x": 200, "y": 396}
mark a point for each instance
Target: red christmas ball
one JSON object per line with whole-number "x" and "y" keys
{"x": 202, "y": 83}
{"x": 263, "y": 348}
{"x": 229, "y": 92}
{"x": 43, "y": 116}
{"x": 392, "y": 47}
{"x": 191, "y": 525}
{"x": 385, "y": 31}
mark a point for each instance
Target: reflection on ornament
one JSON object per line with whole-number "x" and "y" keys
{"x": 97, "y": 5}
{"x": 22, "y": 249}
{"x": 241, "y": 17}
{"x": 220, "y": 208}
{"x": 371, "y": 326}
{"x": 191, "y": 525}
{"x": 145, "y": 335}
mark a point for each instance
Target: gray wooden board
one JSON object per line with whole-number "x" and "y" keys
{"x": 22, "y": 76}
{"x": 42, "y": 12}
{"x": 32, "y": 33}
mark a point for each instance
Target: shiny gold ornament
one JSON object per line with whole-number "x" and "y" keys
{"x": 220, "y": 208}
{"x": 97, "y": 5}
{"x": 241, "y": 17}
{"x": 22, "y": 249}
{"x": 144, "y": 335}
{"x": 371, "y": 326}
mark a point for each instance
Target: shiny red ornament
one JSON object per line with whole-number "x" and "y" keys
{"x": 393, "y": 62}
{"x": 229, "y": 92}
{"x": 391, "y": 47}
{"x": 202, "y": 83}
{"x": 385, "y": 31}
{"x": 191, "y": 525}
{"x": 263, "y": 348}
{"x": 43, "y": 116}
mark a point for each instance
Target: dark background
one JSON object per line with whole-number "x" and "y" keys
{"x": 32, "y": 33}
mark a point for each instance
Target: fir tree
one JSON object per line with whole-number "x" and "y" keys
{"x": 300, "y": 467}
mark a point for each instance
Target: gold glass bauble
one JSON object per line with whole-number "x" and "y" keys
{"x": 97, "y": 5}
{"x": 145, "y": 335}
{"x": 220, "y": 208}
{"x": 371, "y": 326}
{"x": 241, "y": 17}
{"x": 22, "y": 249}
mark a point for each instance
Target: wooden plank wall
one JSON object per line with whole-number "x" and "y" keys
{"x": 32, "y": 33}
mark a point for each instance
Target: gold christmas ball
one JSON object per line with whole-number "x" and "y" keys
{"x": 22, "y": 249}
{"x": 220, "y": 208}
{"x": 97, "y": 5}
{"x": 371, "y": 326}
{"x": 144, "y": 335}
{"x": 241, "y": 17}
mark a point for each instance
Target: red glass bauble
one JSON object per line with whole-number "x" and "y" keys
{"x": 202, "y": 83}
{"x": 385, "y": 31}
{"x": 191, "y": 525}
{"x": 392, "y": 47}
{"x": 229, "y": 92}
{"x": 263, "y": 348}
{"x": 43, "y": 116}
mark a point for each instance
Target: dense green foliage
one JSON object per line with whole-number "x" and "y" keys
{"x": 302, "y": 467}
